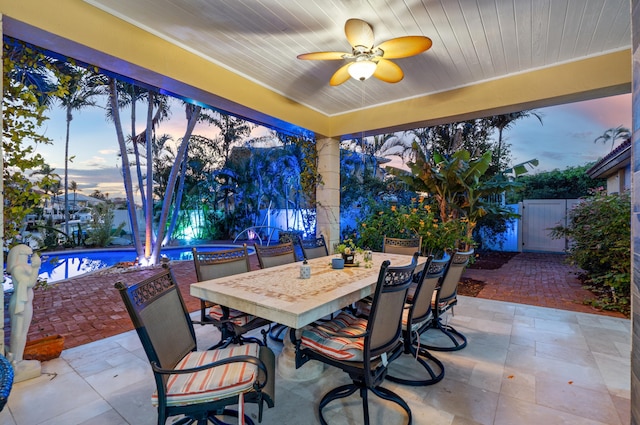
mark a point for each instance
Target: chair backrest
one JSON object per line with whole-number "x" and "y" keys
{"x": 275, "y": 255}
{"x": 215, "y": 264}
{"x": 457, "y": 264}
{"x": 384, "y": 326}
{"x": 401, "y": 246}
{"x": 314, "y": 248}
{"x": 428, "y": 281}
{"x": 160, "y": 317}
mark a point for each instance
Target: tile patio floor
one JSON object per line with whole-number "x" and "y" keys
{"x": 523, "y": 365}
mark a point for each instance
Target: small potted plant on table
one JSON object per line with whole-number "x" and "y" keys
{"x": 348, "y": 250}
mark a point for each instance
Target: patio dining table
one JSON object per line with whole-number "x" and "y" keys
{"x": 279, "y": 294}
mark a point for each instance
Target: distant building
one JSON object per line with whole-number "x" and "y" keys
{"x": 615, "y": 167}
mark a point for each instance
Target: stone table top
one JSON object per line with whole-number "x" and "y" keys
{"x": 280, "y": 295}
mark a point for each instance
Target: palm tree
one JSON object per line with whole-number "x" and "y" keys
{"x": 99, "y": 195}
{"x": 613, "y": 135}
{"x": 193, "y": 115}
{"x": 73, "y": 186}
{"x": 128, "y": 96}
{"x": 372, "y": 148}
{"x": 114, "y": 110}
{"x": 505, "y": 121}
{"x": 48, "y": 181}
{"x": 83, "y": 87}
{"x": 232, "y": 130}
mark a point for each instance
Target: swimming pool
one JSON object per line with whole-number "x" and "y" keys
{"x": 62, "y": 265}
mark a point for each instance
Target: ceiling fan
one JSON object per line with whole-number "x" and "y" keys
{"x": 370, "y": 60}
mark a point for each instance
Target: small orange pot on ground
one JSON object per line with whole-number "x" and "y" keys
{"x": 43, "y": 349}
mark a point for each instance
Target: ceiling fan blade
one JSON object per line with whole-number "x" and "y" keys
{"x": 323, "y": 56}
{"x": 388, "y": 71}
{"x": 341, "y": 75}
{"x": 359, "y": 33}
{"x": 403, "y": 47}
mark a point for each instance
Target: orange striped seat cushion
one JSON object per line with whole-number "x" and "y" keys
{"x": 340, "y": 348}
{"x": 237, "y": 317}
{"x": 211, "y": 384}
{"x": 415, "y": 326}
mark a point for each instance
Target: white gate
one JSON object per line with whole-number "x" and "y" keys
{"x": 538, "y": 217}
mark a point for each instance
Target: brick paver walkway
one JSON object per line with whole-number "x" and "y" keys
{"x": 88, "y": 308}
{"x": 543, "y": 280}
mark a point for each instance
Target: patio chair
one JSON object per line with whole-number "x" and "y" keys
{"x": 225, "y": 377}
{"x": 416, "y": 319}
{"x": 275, "y": 255}
{"x": 401, "y": 246}
{"x": 313, "y": 248}
{"x": 272, "y": 256}
{"x": 233, "y": 324}
{"x": 446, "y": 297}
{"x": 363, "y": 348}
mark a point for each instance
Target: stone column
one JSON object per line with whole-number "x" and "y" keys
{"x": 328, "y": 193}
{"x": 635, "y": 216}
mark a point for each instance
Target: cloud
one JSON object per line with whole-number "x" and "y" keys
{"x": 108, "y": 151}
{"x": 99, "y": 161}
{"x": 582, "y": 135}
{"x": 566, "y": 137}
{"x": 106, "y": 180}
{"x": 608, "y": 112}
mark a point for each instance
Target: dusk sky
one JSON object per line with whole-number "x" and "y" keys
{"x": 565, "y": 138}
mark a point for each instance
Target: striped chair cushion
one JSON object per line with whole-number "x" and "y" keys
{"x": 442, "y": 304}
{"x": 211, "y": 384}
{"x": 340, "y": 348}
{"x": 415, "y": 326}
{"x": 237, "y": 317}
{"x": 363, "y": 307}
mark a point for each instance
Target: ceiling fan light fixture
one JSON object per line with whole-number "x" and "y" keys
{"x": 363, "y": 69}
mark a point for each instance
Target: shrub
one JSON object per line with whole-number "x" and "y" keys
{"x": 102, "y": 231}
{"x": 417, "y": 219}
{"x": 600, "y": 232}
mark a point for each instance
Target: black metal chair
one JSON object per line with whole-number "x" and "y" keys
{"x": 363, "y": 348}
{"x": 401, "y": 246}
{"x": 446, "y": 298}
{"x": 313, "y": 248}
{"x": 233, "y": 324}
{"x": 272, "y": 256}
{"x": 275, "y": 255}
{"x": 417, "y": 319}
{"x": 223, "y": 377}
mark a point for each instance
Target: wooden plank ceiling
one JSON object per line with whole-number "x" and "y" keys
{"x": 473, "y": 40}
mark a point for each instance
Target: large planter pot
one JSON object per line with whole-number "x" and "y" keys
{"x": 43, "y": 349}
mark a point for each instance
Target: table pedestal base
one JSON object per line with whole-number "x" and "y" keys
{"x": 287, "y": 365}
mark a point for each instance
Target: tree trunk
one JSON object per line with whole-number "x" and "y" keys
{"x": 148, "y": 206}
{"x": 178, "y": 202}
{"x": 66, "y": 174}
{"x": 136, "y": 151}
{"x": 126, "y": 171}
{"x": 193, "y": 112}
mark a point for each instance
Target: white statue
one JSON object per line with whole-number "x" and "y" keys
{"x": 24, "y": 275}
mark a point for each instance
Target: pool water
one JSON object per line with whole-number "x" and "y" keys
{"x": 58, "y": 266}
